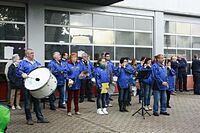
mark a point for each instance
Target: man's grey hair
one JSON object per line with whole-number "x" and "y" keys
{"x": 14, "y": 57}
{"x": 55, "y": 53}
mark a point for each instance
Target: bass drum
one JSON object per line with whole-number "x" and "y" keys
{"x": 41, "y": 83}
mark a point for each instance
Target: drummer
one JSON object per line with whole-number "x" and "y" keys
{"x": 59, "y": 69}
{"x": 24, "y": 68}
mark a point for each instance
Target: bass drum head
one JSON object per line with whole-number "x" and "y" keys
{"x": 38, "y": 78}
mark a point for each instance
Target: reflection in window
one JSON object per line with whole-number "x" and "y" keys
{"x": 195, "y": 29}
{"x": 123, "y": 23}
{"x": 185, "y": 53}
{"x": 124, "y": 52}
{"x": 169, "y": 52}
{"x": 98, "y": 50}
{"x": 81, "y": 35}
{"x": 80, "y": 19}
{"x": 12, "y": 32}
{"x": 56, "y": 34}
{"x": 183, "y": 42}
{"x": 143, "y": 24}
{"x": 17, "y": 49}
{"x": 56, "y": 17}
{"x": 87, "y": 49}
{"x": 8, "y": 13}
{"x": 170, "y": 41}
{"x": 126, "y": 38}
{"x": 182, "y": 28}
{"x": 195, "y": 52}
{"x": 103, "y": 37}
{"x": 143, "y": 39}
{"x": 195, "y": 42}
{"x": 2, "y": 72}
{"x": 139, "y": 52}
{"x": 50, "y": 49}
{"x": 170, "y": 27}
{"x": 102, "y": 21}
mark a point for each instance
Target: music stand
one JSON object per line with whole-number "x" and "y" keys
{"x": 141, "y": 76}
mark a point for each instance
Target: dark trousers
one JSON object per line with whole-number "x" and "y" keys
{"x": 196, "y": 79}
{"x": 52, "y": 97}
{"x": 85, "y": 90}
{"x": 73, "y": 94}
{"x": 168, "y": 96}
{"x": 101, "y": 102}
{"x": 182, "y": 77}
{"x": 27, "y": 106}
{"x": 123, "y": 98}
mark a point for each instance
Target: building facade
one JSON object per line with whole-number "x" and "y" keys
{"x": 131, "y": 28}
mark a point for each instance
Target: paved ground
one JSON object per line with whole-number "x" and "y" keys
{"x": 184, "y": 118}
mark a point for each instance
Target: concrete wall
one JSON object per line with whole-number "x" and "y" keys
{"x": 175, "y": 6}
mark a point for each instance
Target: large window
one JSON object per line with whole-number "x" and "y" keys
{"x": 182, "y": 39}
{"x": 12, "y": 33}
{"x": 96, "y": 33}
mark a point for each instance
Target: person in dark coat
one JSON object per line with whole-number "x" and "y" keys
{"x": 196, "y": 74}
{"x": 15, "y": 83}
{"x": 175, "y": 65}
{"x": 182, "y": 74}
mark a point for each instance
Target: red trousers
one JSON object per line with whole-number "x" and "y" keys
{"x": 73, "y": 94}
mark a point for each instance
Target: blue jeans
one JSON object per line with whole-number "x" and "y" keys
{"x": 147, "y": 94}
{"x": 159, "y": 95}
{"x": 27, "y": 106}
{"x": 65, "y": 94}
{"x": 52, "y": 97}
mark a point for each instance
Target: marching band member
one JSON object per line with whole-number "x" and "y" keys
{"x": 86, "y": 84}
{"x": 147, "y": 83}
{"x": 76, "y": 73}
{"x": 102, "y": 79}
{"x": 123, "y": 72}
{"x": 160, "y": 85}
{"x": 24, "y": 68}
{"x": 59, "y": 69}
{"x": 171, "y": 73}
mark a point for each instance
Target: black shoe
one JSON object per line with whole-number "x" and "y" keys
{"x": 81, "y": 100}
{"x": 121, "y": 110}
{"x": 42, "y": 121}
{"x": 29, "y": 122}
{"x": 155, "y": 114}
{"x": 62, "y": 106}
{"x": 164, "y": 113}
{"x": 125, "y": 110}
{"x": 168, "y": 106}
{"x": 181, "y": 90}
{"x": 52, "y": 107}
{"x": 90, "y": 100}
{"x": 110, "y": 99}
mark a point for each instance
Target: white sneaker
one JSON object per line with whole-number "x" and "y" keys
{"x": 18, "y": 107}
{"x": 146, "y": 108}
{"x": 105, "y": 111}
{"x": 13, "y": 107}
{"x": 100, "y": 112}
{"x": 109, "y": 105}
{"x": 149, "y": 107}
{"x": 69, "y": 114}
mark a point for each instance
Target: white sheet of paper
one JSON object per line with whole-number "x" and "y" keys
{"x": 8, "y": 52}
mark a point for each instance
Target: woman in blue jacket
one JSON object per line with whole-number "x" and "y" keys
{"x": 102, "y": 78}
{"x": 124, "y": 72}
{"x": 75, "y": 74}
{"x": 171, "y": 73}
{"x": 146, "y": 84}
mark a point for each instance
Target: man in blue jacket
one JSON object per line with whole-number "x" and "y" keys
{"x": 24, "y": 68}
{"x": 59, "y": 69}
{"x": 124, "y": 73}
{"x": 160, "y": 85}
{"x": 86, "y": 84}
